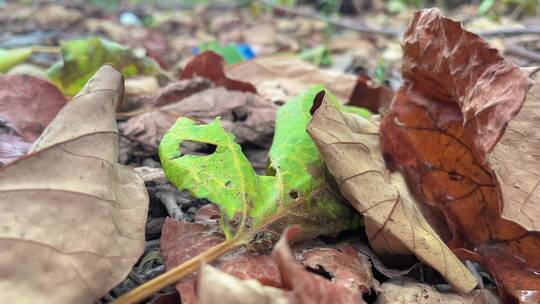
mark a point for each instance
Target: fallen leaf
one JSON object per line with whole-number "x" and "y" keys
{"x": 81, "y": 58}
{"x": 11, "y": 57}
{"x": 405, "y": 290}
{"x": 55, "y": 16}
{"x": 28, "y": 104}
{"x": 216, "y": 286}
{"x": 178, "y": 90}
{"x": 367, "y": 94}
{"x": 444, "y": 120}
{"x": 11, "y": 148}
{"x": 73, "y": 216}
{"x": 395, "y": 225}
{"x": 516, "y": 163}
{"x": 306, "y": 287}
{"x": 249, "y": 117}
{"x": 211, "y": 66}
{"x": 290, "y": 75}
{"x": 142, "y": 86}
{"x": 294, "y": 191}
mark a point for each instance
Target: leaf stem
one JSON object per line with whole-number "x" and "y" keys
{"x": 174, "y": 275}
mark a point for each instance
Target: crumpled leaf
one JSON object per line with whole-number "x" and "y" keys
{"x": 181, "y": 241}
{"x": 300, "y": 286}
{"x": 81, "y": 58}
{"x": 291, "y": 76}
{"x": 211, "y": 66}
{"x": 72, "y": 216}
{"x": 350, "y": 147}
{"x": 294, "y": 191}
{"x": 444, "y": 120}
{"x": 246, "y": 115}
{"x": 305, "y": 287}
{"x": 28, "y": 104}
{"x": 405, "y": 290}
{"x": 11, "y": 57}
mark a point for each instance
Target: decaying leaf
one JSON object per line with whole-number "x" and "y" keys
{"x": 28, "y": 104}
{"x": 248, "y": 116}
{"x": 294, "y": 191}
{"x": 300, "y": 286}
{"x": 516, "y": 162}
{"x": 290, "y": 75}
{"x": 305, "y": 287}
{"x": 444, "y": 120}
{"x": 181, "y": 241}
{"x": 350, "y": 147}
{"x": 404, "y": 290}
{"x": 211, "y": 66}
{"x": 81, "y": 58}
{"x": 73, "y": 217}
{"x": 219, "y": 287}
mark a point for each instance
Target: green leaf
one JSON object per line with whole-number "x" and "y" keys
{"x": 485, "y": 6}
{"x": 294, "y": 191}
{"x": 12, "y": 57}
{"x": 318, "y": 56}
{"x": 81, "y": 58}
{"x": 229, "y": 52}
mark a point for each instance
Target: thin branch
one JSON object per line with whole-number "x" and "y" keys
{"x": 392, "y": 33}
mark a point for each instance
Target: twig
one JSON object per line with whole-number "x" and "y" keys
{"x": 168, "y": 200}
{"x": 392, "y": 33}
{"x": 520, "y": 51}
{"x": 510, "y": 32}
{"x": 151, "y": 174}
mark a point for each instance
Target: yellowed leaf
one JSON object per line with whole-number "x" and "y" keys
{"x": 516, "y": 162}
{"x": 350, "y": 147}
{"x": 72, "y": 219}
{"x": 290, "y": 76}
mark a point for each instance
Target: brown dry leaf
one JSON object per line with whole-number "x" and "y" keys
{"x": 73, "y": 219}
{"x": 215, "y": 286}
{"x": 516, "y": 162}
{"x": 444, "y": 121}
{"x": 367, "y": 94}
{"x": 211, "y": 66}
{"x": 28, "y": 104}
{"x": 291, "y": 76}
{"x": 306, "y": 287}
{"x": 405, "y": 290}
{"x": 249, "y": 117}
{"x": 350, "y": 147}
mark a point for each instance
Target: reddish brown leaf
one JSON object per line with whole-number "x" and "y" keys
{"x": 456, "y": 101}
{"x": 369, "y": 95}
{"x": 182, "y": 240}
{"x": 28, "y": 104}
{"x": 306, "y": 287}
{"x": 211, "y": 65}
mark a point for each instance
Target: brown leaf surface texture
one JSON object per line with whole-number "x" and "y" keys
{"x": 457, "y": 98}
{"x": 291, "y": 76}
{"x": 73, "y": 219}
{"x": 12, "y": 147}
{"x": 367, "y": 94}
{"x": 405, "y": 290}
{"x": 350, "y": 147}
{"x": 28, "y": 104}
{"x": 211, "y": 66}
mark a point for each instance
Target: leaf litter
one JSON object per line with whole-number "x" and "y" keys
{"x": 274, "y": 96}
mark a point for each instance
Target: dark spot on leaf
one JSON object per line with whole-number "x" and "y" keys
{"x": 320, "y": 271}
{"x": 455, "y": 176}
{"x": 228, "y": 184}
{"x": 239, "y": 115}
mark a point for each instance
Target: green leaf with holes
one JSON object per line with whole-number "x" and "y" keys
{"x": 81, "y": 58}
{"x": 294, "y": 191}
